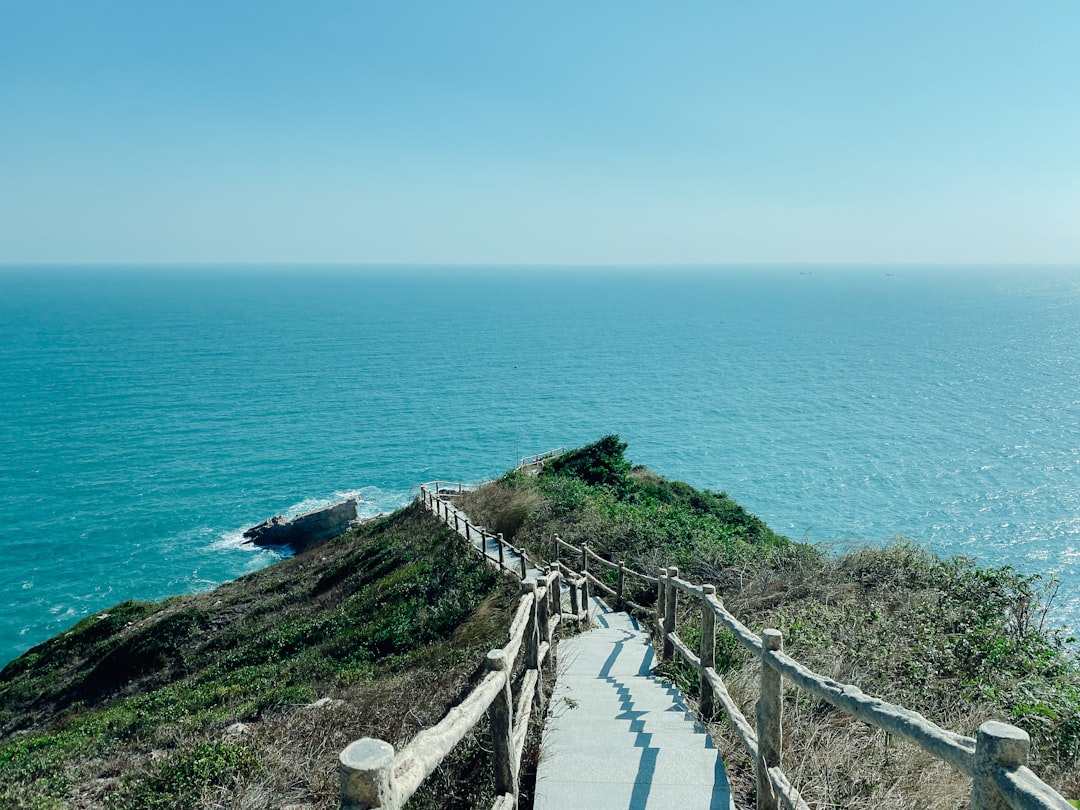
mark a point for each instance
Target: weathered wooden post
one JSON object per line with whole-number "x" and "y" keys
{"x": 585, "y": 596}
{"x": 532, "y": 630}
{"x": 671, "y": 604}
{"x": 661, "y": 599}
{"x": 707, "y": 651}
{"x": 366, "y": 767}
{"x": 996, "y": 745}
{"x": 502, "y": 550}
{"x": 620, "y": 601}
{"x": 555, "y": 556}
{"x": 524, "y": 563}
{"x": 543, "y": 609}
{"x": 468, "y": 532}
{"x": 574, "y": 607}
{"x": 770, "y": 710}
{"x": 584, "y": 556}
{"x": 501, "y": 718}
{"x": 555, "y": 589}
{"x": 456, "y": 526}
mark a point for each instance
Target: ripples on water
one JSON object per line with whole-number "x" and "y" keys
{"x": 152, "y": 414}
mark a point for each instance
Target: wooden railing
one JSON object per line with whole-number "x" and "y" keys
{"x": 529, "y": 461}
{"x": 373, "y": 775}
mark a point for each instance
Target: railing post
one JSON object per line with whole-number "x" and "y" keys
{"x": 707, "y": 651}
{"x": 671, "y": 604}
{"x": 555, "y": 556}
{"x": 543, "y": 609}
{"x": 366, "y": 767}
{"x": 456, "y": 526}
{"x": 996, "y": 745}
{"x": 770, "y": 710}
{"x": 423, "y": 495}
{"x": 661, "y": 599}
{"x": 585, "y": 596}
{"x": 619, "y": 588}
{"x": 532, "y": 630}
{"x": 555, "y": 589}
{"x": 501, "y": 718}
{"x": 584, "y": 556}
{"x": 468, "y": 532}
{"x": 575, "y": 608}
{"x": 502, "y": 551}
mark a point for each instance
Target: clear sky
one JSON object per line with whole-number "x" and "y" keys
{"x": 591, "y": 131}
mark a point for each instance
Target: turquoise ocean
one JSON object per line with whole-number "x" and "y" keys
{"x": 150, "y": 414}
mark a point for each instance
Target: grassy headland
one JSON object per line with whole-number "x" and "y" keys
{"x": 954, "y": 641}
{"x": 138, "y": 706}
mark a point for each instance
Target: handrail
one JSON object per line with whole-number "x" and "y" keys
{"x": 529, "y": 461}
{"x": 373, "y": 776}
{"x": 996, "y": 759}
{"x": 1003, "y": 780}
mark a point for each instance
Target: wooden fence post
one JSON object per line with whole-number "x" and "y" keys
{"x": 671, "y": 604}
{"x": 502, "y": 551}
{"x": 585, "y": 596}
{"x": 584, "y": 556}
{"x": 468, "y": 532}
{"x": 366, "y": 767}
{"x": 574, "y": 607}
{"x": 661, "y": 598}
{"x": 770, "y": 709}
{"x": 524, "y": 563}
{"x": 532, "y": 629}
{"x": 543, "y": 608}
{"x": 555, "y": 589}
{"x": 501, "y": 718}
{"x": 456, "y": 526}
{"x": 707, "y": 651}
{"x": 996, "y": 745}
{"x": 555, "y": 556}
{"x": 620, "y": 602}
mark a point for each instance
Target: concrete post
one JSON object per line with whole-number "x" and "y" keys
{"x": 770, "y": 710}
{"x": 366, "y": 768}
{"x": 671, "y": 605}
{"x": 996, "y": 745}
{"x": 707, "y": 652}
{"x": 501, "y": 718}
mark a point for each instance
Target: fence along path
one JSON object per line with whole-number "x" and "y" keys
{"x": 373, "y": 775}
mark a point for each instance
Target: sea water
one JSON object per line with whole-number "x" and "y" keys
{"x": 150, "y": 414}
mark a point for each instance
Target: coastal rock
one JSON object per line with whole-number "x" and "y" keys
{"x": 304, "y": 530}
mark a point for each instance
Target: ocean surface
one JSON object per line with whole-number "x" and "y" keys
{"x": 150, "y": 414}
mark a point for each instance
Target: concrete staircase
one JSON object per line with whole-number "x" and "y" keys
{"x": 616, "y": 737}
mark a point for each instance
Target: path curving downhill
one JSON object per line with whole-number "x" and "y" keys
{"x": 617, "y": 738}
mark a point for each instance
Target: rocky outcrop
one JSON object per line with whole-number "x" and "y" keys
{"x": 303, "y": 530}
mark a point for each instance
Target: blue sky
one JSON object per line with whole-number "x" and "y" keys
{"x": 540, "y": 133}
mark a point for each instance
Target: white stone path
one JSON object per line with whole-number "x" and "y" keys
{"x": 617, "y": 738}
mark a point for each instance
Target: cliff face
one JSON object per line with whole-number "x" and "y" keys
{"x": 247, "y": 693}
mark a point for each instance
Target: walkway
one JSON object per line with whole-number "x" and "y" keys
{"x": 617, "y": 738}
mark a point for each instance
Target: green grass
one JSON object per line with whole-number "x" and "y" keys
{"x": 390, "y": 621}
